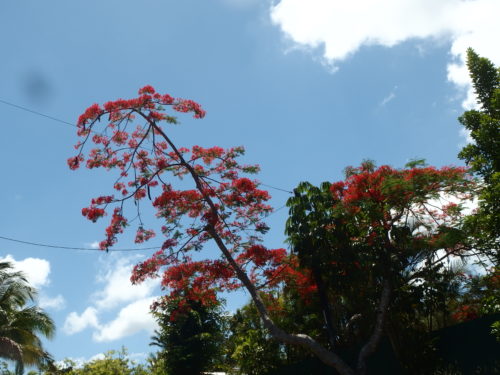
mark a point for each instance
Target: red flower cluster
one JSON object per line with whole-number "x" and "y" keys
{"x": 384, "y": 195}
{"x": 465, "y": 313}
{"x": 143, "y": 235}
{"x": 93, "y": 213}
{"x": 149, "y": 100}
{"x": 220, "y": 201}
{"x": 118, "y": 222}
{"x": 261, "y": 256}
{"x": 74, "y": 162}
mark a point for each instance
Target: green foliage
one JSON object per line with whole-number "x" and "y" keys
{"x": 156, "y": 364}
{"x": 113, "y": 363}
{"x": 382, "y": 225}
{"x": 480, "y": 296}
{"x": 483, "y": 155}
{"x": 190, "y": 337}
{"x": 251, "y": 350}
{"x": 21, "y": 324}
{"x": 495, "y": 329}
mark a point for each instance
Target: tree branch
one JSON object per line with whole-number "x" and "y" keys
{"x": 373, "y": 341}
{"x": 328, "y": 357}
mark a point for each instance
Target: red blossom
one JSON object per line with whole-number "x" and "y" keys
{"x": 143, "y": 235}
{"x": 465, "y": 313}
{"x": 92, "y": 113}
{"x": 118, "y": 222}
{"x": 93, "y": 213}
{"x": 148, "y": 89}
{"x": 74, "y": 162}
{"x": 102, "y": 200}
{"x": 221, "y": 201}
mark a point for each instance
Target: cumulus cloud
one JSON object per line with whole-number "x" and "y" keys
{"x": 131, "y": 319}
{"x": 36, "y": 270}
{"x": 130, "y": 304}
{"x": 118, "y": 288}
{"x": 343, "y": 27}
{"x": 76, "y": 323}
{"x": 54, "y": 303}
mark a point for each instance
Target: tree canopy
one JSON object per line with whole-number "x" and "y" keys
{"x": 190, "y": 336}
{"x": 483, "y": 154}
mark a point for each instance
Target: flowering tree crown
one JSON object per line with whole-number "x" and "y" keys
{"x": 223, "y": 203}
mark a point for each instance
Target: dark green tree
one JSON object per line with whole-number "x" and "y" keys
{"x": 483, "y": 155}
{"x": 21, "y": 323}
{"x": 374, "y": 244}
{"x": 190, "y": 337}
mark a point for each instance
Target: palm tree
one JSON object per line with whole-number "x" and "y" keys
{"x": 20, "y": 322}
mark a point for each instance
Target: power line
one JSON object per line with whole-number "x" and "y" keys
{"x": 71, "y": 247}
{"x": 276, "y": 188}
{"x": 73, "y": 125}
{"x": 276, "y": 210}
{"x": 37, "y": 113}
{"x": 39, "y": 244}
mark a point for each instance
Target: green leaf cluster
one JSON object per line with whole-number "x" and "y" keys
{"x": 113, "y": 363}
{"x": 250, "y": 349}
{"x": 190, "y": 338}
{"x": 483, "y": 154}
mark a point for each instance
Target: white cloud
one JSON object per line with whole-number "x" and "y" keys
{"x": 37, "y": 273}
{"x": 76, "y": 323}
{"x": 70, "y": 362}
{"x": 466, "y": 134}
{"x": 36, "y": 270}
{"x": 93, "y": 245}
{"x": 130, "y": 302}
{"x": 118, "y": 289}
{"x": 342, "y": 27}
{"x": 96, "y": 357}
{"x": 131, "y": 319}
{"x": 54, "y": 303}
{"x": 389, "y": 97}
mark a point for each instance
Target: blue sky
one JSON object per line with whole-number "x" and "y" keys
{"x": 307, "y": 87}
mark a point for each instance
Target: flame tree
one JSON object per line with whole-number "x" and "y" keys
{"x": 225, "y": 206}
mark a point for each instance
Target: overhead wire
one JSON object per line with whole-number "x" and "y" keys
{"x": 52, "y": 246}
{"x": 37, "y": 113}
{"x": 74, "y": 125}
{"x": 276, "y": 188}
{"x": 39, "y": 244}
